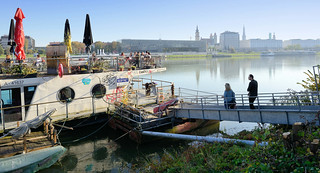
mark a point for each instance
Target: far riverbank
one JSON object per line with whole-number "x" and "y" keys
{"x": 205, "y": 55}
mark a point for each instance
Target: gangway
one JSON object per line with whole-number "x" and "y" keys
{"x": 274, "y": 108}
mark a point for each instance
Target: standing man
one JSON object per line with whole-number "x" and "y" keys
{"x": 253, "y": 90}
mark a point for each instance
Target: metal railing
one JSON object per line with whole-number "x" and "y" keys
{"x": 285, "y": 100}
{"x": 40, "y": 108}
{"x": 138, "y": 117}
{"x": 163, "y": 89}
{"x": 87, "y": 62}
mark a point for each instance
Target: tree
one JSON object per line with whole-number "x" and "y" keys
{"x": 29, "y": 51}
{"x": 310, "y": 82}
{"x": 99, "y": 45}
{"x": 7, "y": 50}
{"x": 232, "y": 50}
{"x": 294, "y": 47}
{"x": 41, "y": 51}
{"x": 77, "y": 47}
{"x": 1, "y": 50}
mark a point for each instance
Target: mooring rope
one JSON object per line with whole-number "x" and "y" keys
{"x": 76, "y": 140}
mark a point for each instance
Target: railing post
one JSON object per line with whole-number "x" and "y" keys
{"x": 273, "y": 100}
{"x": 298, "y": 101}
{"x": 197, "y": 97}
{"x": 242, "y": 100}
{"x": 67, "y": 109}
{"x": 117, "y": 68}
{"x": 258, "y": 103}
{"x": 202, "y": 108}
{"x": 316, "y": 81}
{"x": 2, "y": 116}
{"x": 37, "y": 109}
{"x": 217, "y": 100}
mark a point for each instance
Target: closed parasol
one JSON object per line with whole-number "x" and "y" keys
{"x": 67, "y": 36}
{"x": 19, "y": 35}
{"x": 87, "y": 37}
{"x": 11, "y": 42}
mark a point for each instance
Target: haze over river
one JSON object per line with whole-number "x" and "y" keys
{"x": 104, "y": 152}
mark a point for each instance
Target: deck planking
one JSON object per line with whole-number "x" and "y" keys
{"x": 35, "y": 141}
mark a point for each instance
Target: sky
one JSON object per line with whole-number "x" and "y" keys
{"x": 164, "y": 19}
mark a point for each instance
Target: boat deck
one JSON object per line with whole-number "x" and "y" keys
{"x": 35, "y": 141}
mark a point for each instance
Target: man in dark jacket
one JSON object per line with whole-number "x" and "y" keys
{"x": 253, "y": 90}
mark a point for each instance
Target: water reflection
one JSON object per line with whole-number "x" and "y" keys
{"x": 101, "y": 153}
{"x": 274, "y": 74}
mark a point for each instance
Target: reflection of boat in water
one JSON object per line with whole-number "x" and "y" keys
{"x": 288, "y": 53}
{"x": 109, "y": 151}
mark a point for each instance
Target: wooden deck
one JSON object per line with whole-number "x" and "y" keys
{"x": 35, "y": 141}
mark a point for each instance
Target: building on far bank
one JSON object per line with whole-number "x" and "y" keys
{"x": 134, "y": 45}
{"x": 304, "y": 44}
{"x": 260, "y": 45}
{"x": 4, "y": 42}
{"x": 31, "y": 42}
{"x": 229, "y": 40}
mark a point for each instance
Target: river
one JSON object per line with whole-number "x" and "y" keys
{"x": 104, "y": 152}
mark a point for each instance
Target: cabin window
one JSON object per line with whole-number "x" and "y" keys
{"x": 66, "y": 94}
{"x": 28, "y": 95}
{"x": 11, "y": 97}
{"x": 98, "y": 91}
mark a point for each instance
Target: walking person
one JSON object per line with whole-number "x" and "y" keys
{"x": 253, "y": 90}
{"x": 229, "y": 97}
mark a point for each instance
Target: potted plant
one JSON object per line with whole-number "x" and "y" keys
{"x": 22, "y": 71}
{"x": 98, "y": 67}
{"x": 83, "y": 70}
{"x": 28, "y": 71}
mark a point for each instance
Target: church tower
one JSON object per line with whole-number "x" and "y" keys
{"x": 197, "y": 34}
{"x": 244, "y": 34}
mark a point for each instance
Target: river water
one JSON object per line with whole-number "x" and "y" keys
{"x": 104, "y": 152}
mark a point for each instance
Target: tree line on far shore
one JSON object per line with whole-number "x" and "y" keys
{"x": 77, "y": 48}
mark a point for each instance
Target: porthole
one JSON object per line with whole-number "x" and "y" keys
{"x": 66, "y": 94}
{"x": 98, "y": 91}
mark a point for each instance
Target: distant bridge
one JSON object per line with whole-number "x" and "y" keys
{"x": 274, "y": 108}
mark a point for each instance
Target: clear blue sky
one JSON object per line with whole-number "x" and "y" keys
{"x": 165, "y": 19}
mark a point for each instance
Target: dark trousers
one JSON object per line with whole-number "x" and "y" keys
{"x": 251, "y": 100}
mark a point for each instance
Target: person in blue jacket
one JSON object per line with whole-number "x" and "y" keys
{"x": 229, "y": 97}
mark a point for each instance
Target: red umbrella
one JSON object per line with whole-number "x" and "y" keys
{"x": 19, "y": 35}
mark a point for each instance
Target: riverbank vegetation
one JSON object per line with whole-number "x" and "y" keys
{"x": 277, "y": 156}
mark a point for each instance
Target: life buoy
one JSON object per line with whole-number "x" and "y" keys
{"x": 60, "y": 70}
